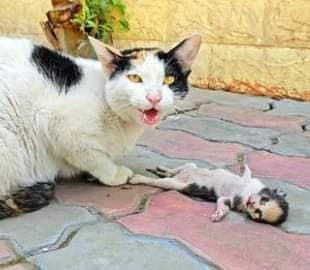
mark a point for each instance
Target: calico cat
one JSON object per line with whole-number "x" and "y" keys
{"x": 60, "y": 116}
{"x": 229, "y": 191}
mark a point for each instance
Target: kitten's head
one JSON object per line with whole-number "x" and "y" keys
{"x": 268, "y": 206}
{"x": 142, "y": 83}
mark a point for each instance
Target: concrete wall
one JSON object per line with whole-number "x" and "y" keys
{"x": 261, "y": 46}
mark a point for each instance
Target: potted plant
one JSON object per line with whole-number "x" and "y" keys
{"x": 70, "y": 21}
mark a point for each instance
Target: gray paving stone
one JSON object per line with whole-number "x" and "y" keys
{"x": 110, "y": 247}
{"x": 221, "y": 131}
{"x": 292, "y": 145}
{"x": 291, "y": 107}
{"x": 299, "y": 202}
{"x": 238, "y": 100}
{"x": 44, "y": 227}
{"x": 143, "y": 158}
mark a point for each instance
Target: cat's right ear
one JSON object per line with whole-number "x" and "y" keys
{"x": 107, "y": 55}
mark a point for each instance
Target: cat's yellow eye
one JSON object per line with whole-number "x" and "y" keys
{"x": 169, "y": 79}
{"x": 134, "y": 78}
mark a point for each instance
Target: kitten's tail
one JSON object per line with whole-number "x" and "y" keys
{"x": 26, "y": 199}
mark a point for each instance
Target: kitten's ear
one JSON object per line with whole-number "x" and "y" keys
{"x": 186, "y": 51}
{"x": 280, "y": 192}
{"x": 107, "y": 55}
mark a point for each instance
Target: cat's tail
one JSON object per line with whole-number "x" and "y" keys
{"x": 26, "y": 199}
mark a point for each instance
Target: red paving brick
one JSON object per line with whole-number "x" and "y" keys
{"x": 233, "y": 245}
{"x": 295, "y": 170}
{"x": 177, "y": 144}
{"x": 112, "y": 201}
{"x": 251, "y": 117}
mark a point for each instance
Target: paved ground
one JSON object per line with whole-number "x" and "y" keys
{"x": 138, "y": 227}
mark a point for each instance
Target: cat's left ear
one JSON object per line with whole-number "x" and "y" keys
{"x": 107, "y": 55}
{"x": 186, "y": 51}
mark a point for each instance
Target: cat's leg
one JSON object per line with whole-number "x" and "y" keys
{"x": 85, "y": 151}
{"x": 165, "y": 183}
{"x": 222, "y": 208}
{"x": 162, "y": 171}
{"x": 26, "y": 199}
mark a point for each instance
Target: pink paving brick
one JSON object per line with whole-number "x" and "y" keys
{"x": 112, "y": 201}
{"x": 5, "y": 252}
{"x": 233, "y": 245}
{"x": 251, "y": 117}
{"x": 295, "y": 170}
{"x": 177, "y": 144}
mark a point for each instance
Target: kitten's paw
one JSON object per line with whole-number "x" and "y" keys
{"x": 162, "y": 172}
{"x": 123, "y": 175}
{"x": 219, "y": 215}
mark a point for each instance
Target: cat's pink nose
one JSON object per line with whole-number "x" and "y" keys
{"x": 153, "y": 99}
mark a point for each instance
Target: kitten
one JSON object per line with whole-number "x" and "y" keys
{"x": 60, "y": 116}
{"x": 229, "y": 191}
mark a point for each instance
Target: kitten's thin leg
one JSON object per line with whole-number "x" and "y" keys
{"x": 165, "y": 183}
{"x": 167, "y": 172}
{"x": 222, "y": 208}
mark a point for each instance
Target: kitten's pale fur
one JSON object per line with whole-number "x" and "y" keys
{"x": 50, "y": 129}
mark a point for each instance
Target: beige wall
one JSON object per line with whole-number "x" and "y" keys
{"x": 258, "y": 46}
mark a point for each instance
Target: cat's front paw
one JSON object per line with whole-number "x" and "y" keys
{"x": 122, "y": 176}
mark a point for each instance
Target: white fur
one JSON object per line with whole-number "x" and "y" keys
{"x": 44, "y": 134}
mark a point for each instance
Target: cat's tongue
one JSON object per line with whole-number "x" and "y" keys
{"x": 151, "y": 117}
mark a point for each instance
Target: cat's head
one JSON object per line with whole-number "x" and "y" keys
{"x": 143, "y": 83}
{"x": 268, "y": 206}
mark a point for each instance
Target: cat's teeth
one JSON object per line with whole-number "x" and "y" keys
{"x": 150, "y": 117}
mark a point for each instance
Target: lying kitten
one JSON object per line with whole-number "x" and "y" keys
{"x": 228, "y": 190}
{"x": 60, "y": 116}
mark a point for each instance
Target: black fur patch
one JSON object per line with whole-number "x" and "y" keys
{"x": 120, "y": 64}
{"x": 237, "y": 203}
{"x": 59, "y": 69}
{"x": 173, "y": 68}
{"x": 133, "y": 50}
{"x": 201, "y": 192}
{"x": 27, "y": 199}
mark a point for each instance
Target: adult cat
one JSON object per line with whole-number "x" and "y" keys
{"x": 60, "y": 116}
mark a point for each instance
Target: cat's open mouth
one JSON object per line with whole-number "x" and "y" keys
{"x": 150, "y": 117}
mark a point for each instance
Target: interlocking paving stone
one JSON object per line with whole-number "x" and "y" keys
{"x": 237, "y": 100}
{"x": 19, "y": 267}
{"x": 295, "y": 170}
{"x": 44, "y": 227}
{"x": 221, "y": 131}
{"x": 142, "y": 158}
{"x": 6, "y": 252}
{"x": 193, "y": 100}
{"x": 177, "y": 144}
{"x": 299, "y": 211}
{"x": 292, "y": 145}
{"x": 108, "y": 246}
{"x": 235, "y": 243}
{"x": 112, "y": 201}
{"x": 291, "y": 108}
{"x": 250, "y": 117}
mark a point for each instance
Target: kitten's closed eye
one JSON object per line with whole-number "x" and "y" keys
{"x": 169, "y": 79}
{"x": 264, "y": 200}
{"x": 134, "y": 78}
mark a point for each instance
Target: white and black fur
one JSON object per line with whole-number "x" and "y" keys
{"x": 228, "y": 190}
{"x": 60, "y": 116}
